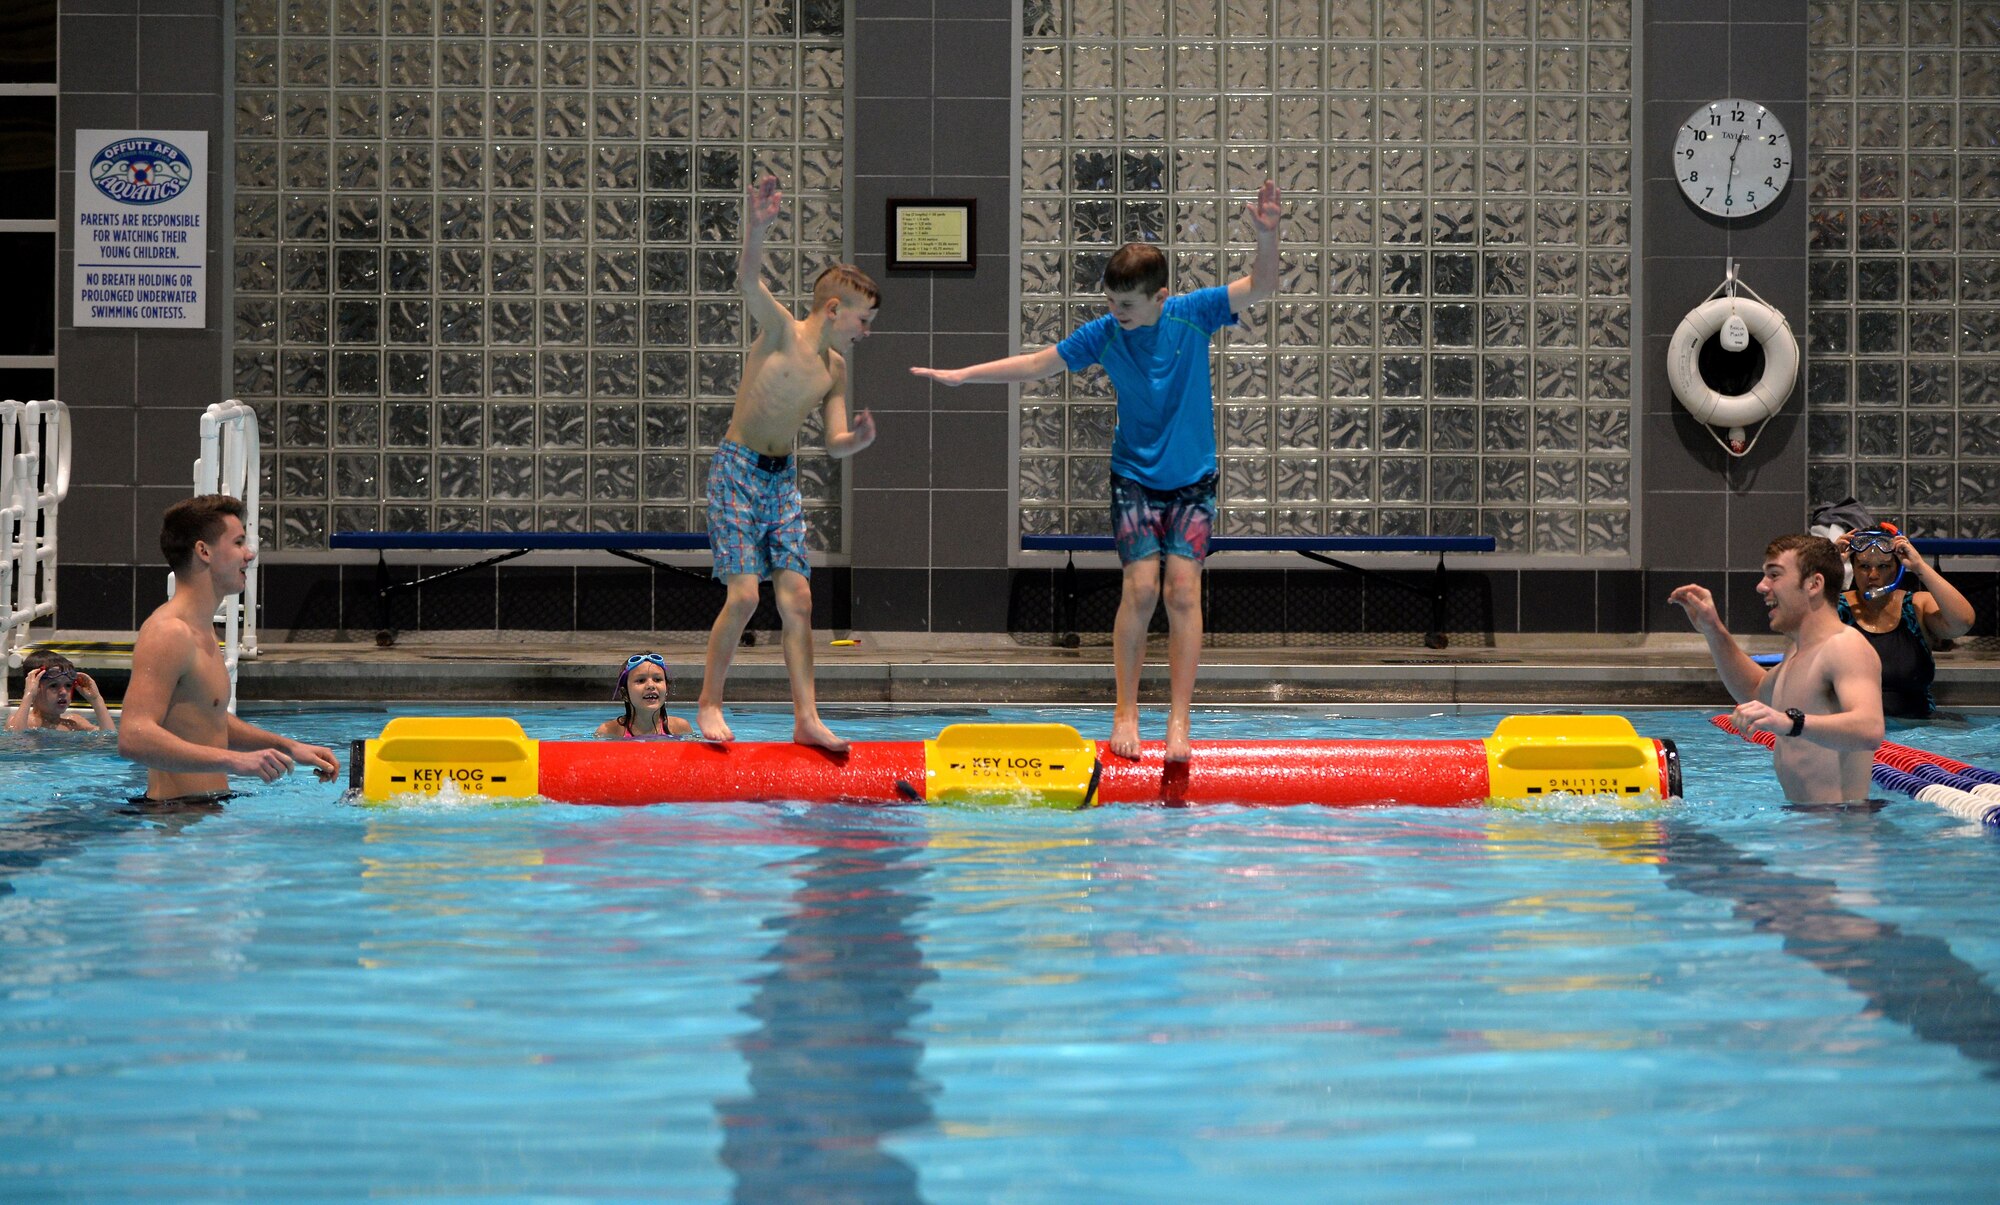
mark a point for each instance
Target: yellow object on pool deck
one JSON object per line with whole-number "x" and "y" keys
{"x": 490, "y": 757}
{"x": 972, "y": 763}
{"x": 843, "y": 644}
{"x": 1531, "y": 755}
{"x": 123, "y": 647}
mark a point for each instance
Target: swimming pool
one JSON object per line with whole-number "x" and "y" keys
{"x": 292, "y": 996}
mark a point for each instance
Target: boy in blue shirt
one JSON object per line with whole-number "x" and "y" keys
{"x": 1155, "y": 350}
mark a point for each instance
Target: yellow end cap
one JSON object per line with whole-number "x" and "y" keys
{"x": 488, "y": 757}
{"x": 1533, "y": 755}
{"x": 1043, "y": 765}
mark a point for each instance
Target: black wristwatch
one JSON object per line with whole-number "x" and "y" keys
{"x": 1798, "y": 721}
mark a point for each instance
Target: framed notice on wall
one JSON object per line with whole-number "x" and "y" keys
{"x": 932, "y": 232}
{"x": 141, "y": 228}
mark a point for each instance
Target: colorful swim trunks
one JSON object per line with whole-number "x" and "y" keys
{"x": 1150, "y": 522}
{"x": 756, "y": 520}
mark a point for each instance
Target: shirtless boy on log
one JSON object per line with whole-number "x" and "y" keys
{"x": 756, "y": 519}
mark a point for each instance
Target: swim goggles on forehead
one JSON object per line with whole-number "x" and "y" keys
{"x": 634, "y": 662}
{"x": 58, "y": 677}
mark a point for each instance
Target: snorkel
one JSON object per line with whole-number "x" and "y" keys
{"x": 1882, "y": 536}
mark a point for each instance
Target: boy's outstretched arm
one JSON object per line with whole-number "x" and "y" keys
{"x": 1028, "y": 366}
{"x": 760, "y": 209}
{"x": 1266, "y": 213}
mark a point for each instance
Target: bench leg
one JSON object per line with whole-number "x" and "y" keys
{"x": 385, "y": 636}
{"x": 1435, "y": 638}
{"x": 1066, "y": 634}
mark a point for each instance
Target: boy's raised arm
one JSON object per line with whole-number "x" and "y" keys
{"x": 17, "y": 720}
{"x": 1266, "y": 213}
{"x": 105, "y": 723}
{"x": 760, "y": 209}
{"x": 1028, "y": 366}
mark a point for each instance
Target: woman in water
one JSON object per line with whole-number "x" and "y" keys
{"x": 642, "y": 686}
{"x": 1904, "y": 606}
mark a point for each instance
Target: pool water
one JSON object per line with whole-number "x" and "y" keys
{"x": 294, "y": 996}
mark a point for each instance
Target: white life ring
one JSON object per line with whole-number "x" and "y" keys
{"x": 1765, "y": 397}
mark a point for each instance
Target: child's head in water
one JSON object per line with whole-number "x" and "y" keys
{"x": 642, "y": 687}
{"x": 58, "y": 683}
{"x": 55, "y": 694}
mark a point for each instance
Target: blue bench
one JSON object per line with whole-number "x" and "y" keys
{"x": 1952, "y": 546}
{"x": 507, "y": 545}
{"x": 1313, "y": 548}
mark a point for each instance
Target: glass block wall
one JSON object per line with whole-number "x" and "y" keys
{"x": 485, "y": 251}
{"x": 1451, "y": 349}
{"x": 1903, "y": 318}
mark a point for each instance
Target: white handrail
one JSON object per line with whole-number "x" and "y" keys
{"x": 229, "y": 464}
{"x": 34, "y": 480}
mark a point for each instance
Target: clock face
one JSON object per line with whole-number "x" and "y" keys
{"x": 1732, "y": 157}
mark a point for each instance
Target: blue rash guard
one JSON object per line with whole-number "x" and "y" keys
{"x": 1166, "y": 404}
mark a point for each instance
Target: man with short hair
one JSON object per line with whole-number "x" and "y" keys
{"x": 177, "y": 721}
{"x": 1824, "y": 700}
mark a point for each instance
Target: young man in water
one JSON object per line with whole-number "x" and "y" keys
{"x": 177, "y": 721}
{"x": 1824, "y": 700}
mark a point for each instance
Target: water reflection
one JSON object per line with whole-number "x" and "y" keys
{"x": 832, "y": 1068}
{"x": 1907, "y": 977}
{"x": 63, "y": 829}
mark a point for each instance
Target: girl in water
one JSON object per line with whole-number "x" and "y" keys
{"x": 642, "y": 686}
{"x": 1905, "y": 608}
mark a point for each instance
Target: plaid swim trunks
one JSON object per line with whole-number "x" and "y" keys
{"x": 1149, "y": 522}
{"x": 756, "y": 520}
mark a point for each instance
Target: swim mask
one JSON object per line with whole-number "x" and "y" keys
{"x": 1875, "y": 539}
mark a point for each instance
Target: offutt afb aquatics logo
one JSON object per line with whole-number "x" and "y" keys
{"x": 141, "y": 171}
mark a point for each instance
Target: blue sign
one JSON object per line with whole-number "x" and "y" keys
{"x": 141, "y": 171}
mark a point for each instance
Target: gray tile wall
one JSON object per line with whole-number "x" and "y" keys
{"x": 932, "y": 117}
{"x": 135, "y": 396}
{"x": 1702, "y": 512}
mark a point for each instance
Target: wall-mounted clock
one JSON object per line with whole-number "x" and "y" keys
{"x": 1732, "y": 157}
